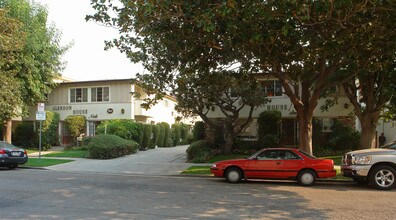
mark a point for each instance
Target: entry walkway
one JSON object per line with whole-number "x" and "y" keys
{"x": 159, "y": 161}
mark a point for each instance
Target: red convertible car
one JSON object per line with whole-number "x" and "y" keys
{"x": 276, "y": 163}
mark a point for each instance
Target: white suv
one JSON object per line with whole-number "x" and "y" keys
{"x": 375, "y": 166}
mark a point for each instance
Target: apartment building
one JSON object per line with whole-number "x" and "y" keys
{"x": 104, "y": 100}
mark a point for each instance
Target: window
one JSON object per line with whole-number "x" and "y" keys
{"x": 326, "y": 124}
{"x": 78, "y": 95}
{"x": 100, "y": 94}
{"x": 272, "y": 87}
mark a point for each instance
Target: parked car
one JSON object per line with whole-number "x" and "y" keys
{"x": 11, "y": 156}
{"x": 374, "y": 166}
{"x": 276, "y": 163}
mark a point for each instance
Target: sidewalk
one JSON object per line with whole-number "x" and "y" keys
{"x": 159, "y": 161}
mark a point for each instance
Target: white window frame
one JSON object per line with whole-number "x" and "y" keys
{"x": 89, "y": 94}
{"x": 265, "y": 87}
{"x": 103, "y": 96}
{"x": 75, "y": 96}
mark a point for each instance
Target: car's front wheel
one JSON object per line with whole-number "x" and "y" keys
{"x": 306, "y": 178}
{"x": 382, "y": 177}
{"x": 233, "y": 175}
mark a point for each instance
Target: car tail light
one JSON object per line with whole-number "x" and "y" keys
{"x": 2, "y": 151}
{"x": 25, "y": 152}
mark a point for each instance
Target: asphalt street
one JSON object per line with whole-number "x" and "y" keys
{"x": 48, "y": 194}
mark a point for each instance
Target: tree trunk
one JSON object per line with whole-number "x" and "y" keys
{"x": 367, "y": 138}
{"x": 8, "y": 130}
{"x": 305, "y": 127}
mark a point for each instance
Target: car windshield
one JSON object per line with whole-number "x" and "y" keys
{"x": 307, "y": 154}
{"x": 391, "y": 145}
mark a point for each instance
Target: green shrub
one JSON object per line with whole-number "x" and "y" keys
{"x": 218, "y": 137}
{"x": 24, "y": 135}
{"x": 247, "y": 147}
{"x": 75, "y": 125}
{"x": 154, "y": 141}
{"x": 270, "y": 141}
{"x": 268, "y": 123}
{"x": 184, "y": 133}
{"x": 341, "y": 139}
{"x": 107, "y": 146}
{"x": 199, "y": 151}
{"x": 124, "y": 128}
{"x": 189, "y": 138}
{"x": 176, "y": 134}
{"x": 86, "y": 141}
{"x": 161, "y": 135}
{"x": 147, "y": 131}
{"x": 49, "y": 133}
{"x": 167, "y": 136}
{"x": 199, "y": 131}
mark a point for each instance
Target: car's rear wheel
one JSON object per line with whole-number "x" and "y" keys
{"x": 233, "y": 175}
{"x": 382, "y": 177}
{"x": 12, "y": 166}
{"x": 306, "y": 178}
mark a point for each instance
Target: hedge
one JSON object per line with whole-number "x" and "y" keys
{"x": 176, "y": 133}
{"x": 154, "y": 141}
{"x": 124, "y": 128}
{"x": 268, "y": 128}
{"x": 75, "y": 125}
{"x": 161, "y": 135}
{"x": 147, "y": 131}
{"x": 167, "y": 136}
{"x": 107, "y": 146}
{"x": 24, "y": 135}
{"x": 199, "y": 131}
{"x": 199, "y": 152}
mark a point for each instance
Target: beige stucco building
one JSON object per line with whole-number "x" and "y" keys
{"x": 103, "y": 100}
{"x": 342, "y": 111}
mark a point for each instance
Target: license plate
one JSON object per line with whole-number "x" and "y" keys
{"x": 16, "y": 154}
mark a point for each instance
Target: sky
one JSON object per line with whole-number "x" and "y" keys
{"x": 87, "y": 60}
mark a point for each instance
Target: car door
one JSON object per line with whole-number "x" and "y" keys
{"x": 292, "y": 163}
{"x": 267, "y": 164}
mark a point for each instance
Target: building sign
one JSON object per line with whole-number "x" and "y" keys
{"x": 278, "y": 107}
{"x": 62, "y": 107}
{"x": 80, "y": 112}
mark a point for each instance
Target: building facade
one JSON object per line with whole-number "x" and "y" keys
{"x": 104, "y": 100}
{"x": 342, "y": 111}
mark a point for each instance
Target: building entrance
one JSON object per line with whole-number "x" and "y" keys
{"x": 288, "y": 135}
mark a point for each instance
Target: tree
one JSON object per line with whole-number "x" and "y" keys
{"x": 39, "y": 61}
{"x": 179, "y": 62}
{"x": 75, "y": 125}
{"x": 12, "y": 39}
{"x": 372, "y": 92}
{"x": 306, "y": 44}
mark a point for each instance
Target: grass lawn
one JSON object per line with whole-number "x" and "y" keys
{"x": 69, "y": 153}
{"x": 29, "y": 151}
{"x": 44, "y": 162}
{"x": 197, "y": 170}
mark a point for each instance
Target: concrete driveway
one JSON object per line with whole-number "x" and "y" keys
{"x": 159, "y": 161}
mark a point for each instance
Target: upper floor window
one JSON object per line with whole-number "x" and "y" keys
{"x": 272, "y": 87}
{"x": 78, "y": 95}
{"x": 100, "y": 94}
